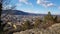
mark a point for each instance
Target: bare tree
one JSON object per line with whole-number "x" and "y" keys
{"x": 2, "y": 3}
{"x": 0, "y": 7}
{"x": 5, "y": 6}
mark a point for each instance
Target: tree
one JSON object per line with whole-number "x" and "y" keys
{"x": 48, "y": 20}
{"x": 37, "y": 22}
{"x": 48, "y": 17}
{"x": 26, "y": 25}
{"x": 1, "y": 28}
{"x": 0, "y": 8}
{"x": 55, "y": 19}
{"x": 2, "y": 3}
{"x": 4, "y": 6}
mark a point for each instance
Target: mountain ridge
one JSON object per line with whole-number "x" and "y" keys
{"x": 19, "y": 12}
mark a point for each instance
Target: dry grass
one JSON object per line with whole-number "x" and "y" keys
{"x": 54, "y": 29}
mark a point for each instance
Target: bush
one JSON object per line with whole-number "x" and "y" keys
{"x": 37, "y": 22}
{"x": 26, "y": 25}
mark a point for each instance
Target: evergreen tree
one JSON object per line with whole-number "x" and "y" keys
{"x": 48, "y": 20}
{"x": 26, "y": 25}
{"x": 48, "y": 17}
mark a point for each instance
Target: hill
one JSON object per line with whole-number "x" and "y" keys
{"x": 17, "y": 12}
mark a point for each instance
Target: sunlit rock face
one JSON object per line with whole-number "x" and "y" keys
{"x": 53, "y": 29}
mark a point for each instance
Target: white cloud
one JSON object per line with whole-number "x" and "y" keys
{"x": 50, "y": 4}
{"x": 25, "y": 1}
{"x": 45, "y": 3}
{"x": 38, "y": 1}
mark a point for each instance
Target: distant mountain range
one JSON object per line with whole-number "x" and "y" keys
{"x": 17, "y": 12}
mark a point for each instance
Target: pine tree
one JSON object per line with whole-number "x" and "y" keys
{"x": 48, "y": 20}
{"x": 48, "y": 17}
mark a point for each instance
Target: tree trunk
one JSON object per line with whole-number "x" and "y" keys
{"x": 0, "y": 8}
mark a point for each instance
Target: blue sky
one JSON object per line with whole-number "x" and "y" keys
{"x": 37, "y": 6}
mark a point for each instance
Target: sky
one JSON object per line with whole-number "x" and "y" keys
{"x": 35, "y": 6}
